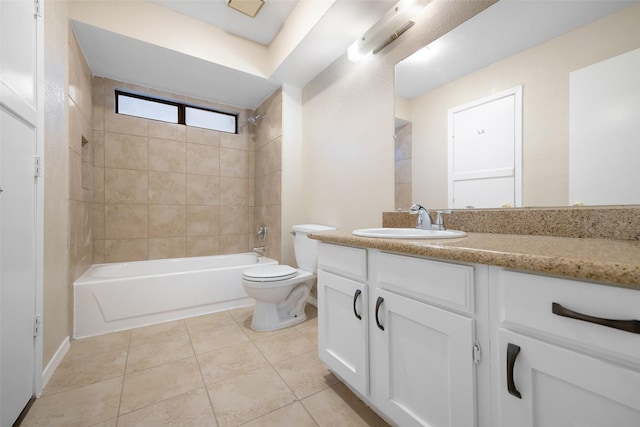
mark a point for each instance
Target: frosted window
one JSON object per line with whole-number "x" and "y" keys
{"x": 210, "y": 120}
{"x": 147, "y": 109}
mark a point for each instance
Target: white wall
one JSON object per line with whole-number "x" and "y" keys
{"x": 348, "y": 125}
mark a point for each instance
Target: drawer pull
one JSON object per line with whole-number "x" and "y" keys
{"x": 378, "y": 304}
{"x": 355, "y": 299}
{"x": 512, "y": 355}
{"x": 632, "y": 326}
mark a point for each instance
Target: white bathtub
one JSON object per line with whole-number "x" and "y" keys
{"x": 113, "y": 297}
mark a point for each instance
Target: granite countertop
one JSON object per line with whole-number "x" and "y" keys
{"x": 609, "y": 261}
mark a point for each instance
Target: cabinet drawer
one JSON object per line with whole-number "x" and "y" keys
{"x": 343, "y": 260}
{"x": 526, "y": 301}
{"x": 446, "y": 284}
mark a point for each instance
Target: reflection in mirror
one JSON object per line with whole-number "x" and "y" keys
{"x": 541, "y": 46}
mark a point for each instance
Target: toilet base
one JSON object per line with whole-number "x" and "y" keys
{"x": 266, "y": 318}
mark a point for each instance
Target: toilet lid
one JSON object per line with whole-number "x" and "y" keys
{"x": 267, "y": 273}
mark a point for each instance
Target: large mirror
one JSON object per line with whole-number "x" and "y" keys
{"x": 553, "y": 51}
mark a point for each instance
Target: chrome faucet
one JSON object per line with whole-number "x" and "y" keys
{"x": 424, "y": 220}
{"x": 439, "y": 225}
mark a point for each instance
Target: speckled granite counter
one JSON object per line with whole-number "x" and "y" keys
{"x": 608, "y": 261}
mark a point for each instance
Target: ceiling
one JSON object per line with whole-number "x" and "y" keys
{"x": 188, "y": 47}
{"x": 515, "y": 25}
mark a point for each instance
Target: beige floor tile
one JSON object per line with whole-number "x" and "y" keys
{"x": 312, "y": 317}
{"x": 158, "y": 333}
{"x": 311, "y": 332}
{"x": 83, "y": 406}
{"x": 209, "y": 321}
{"x": 191, "y": 409}
{"x": 162, "y": 382}
{"x": 305, "y": 374}
{"x": 338, "y": 406}
{"x": 291, "y": 415}
{"x": 254, "y": 335}
{"x": 157, "y": 353}
{"x": 230, "y": 361}
{"x": 241, "y": 314}
{"x": 205, "y": 340}
{"x": 107, "y": 343}
{"x": 248, "y": 396}
{"x": 110, "y": 423}
{"x": 283, "y": 346}
{"x": 81, "y": 371}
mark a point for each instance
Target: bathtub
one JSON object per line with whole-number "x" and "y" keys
{"x": 113, "y": 297}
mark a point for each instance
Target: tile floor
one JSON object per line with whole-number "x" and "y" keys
{"x": 210, "y": 370}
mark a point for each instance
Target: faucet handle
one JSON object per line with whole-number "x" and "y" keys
{"x": 439, "y": 225}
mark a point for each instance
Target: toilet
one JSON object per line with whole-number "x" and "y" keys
{"x": 281, "y": 291}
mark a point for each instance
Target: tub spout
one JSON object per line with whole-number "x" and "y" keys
{"x": 259, "y": 250}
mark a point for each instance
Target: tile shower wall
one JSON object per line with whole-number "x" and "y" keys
{"x": 268, "y": 173}
{"x": 164, "y": 190}
{"x": 403, "y": 159}
{"x": 80, "y": 161}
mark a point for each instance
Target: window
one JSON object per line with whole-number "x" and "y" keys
{"x": 147, "y": 107}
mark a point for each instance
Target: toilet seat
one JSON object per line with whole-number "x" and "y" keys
{"x": 269, "y": 273}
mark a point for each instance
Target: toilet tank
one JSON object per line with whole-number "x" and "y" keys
{"x": 306, "y": 249}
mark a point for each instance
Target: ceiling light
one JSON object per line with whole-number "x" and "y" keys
{"x": 248, "y": 7}
{"x": 391, "y": 26}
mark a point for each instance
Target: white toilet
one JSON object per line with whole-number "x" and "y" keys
{"x": 281, "y": 291}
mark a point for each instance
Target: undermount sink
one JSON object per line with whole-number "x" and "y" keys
{"x": 408, "y": 233}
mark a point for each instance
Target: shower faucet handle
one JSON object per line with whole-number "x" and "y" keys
{"x": 262, "y": 232}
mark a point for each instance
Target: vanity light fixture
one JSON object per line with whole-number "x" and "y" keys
{"x": 391, "y": 26}
{"x": 248, "y": 7}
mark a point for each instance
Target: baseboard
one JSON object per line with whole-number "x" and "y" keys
{"x": 55, "y": 361}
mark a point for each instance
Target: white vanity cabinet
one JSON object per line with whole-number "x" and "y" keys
{"x": 343, "y": 314}
{"x": 408, "y": 325}
{"x": 555, "y": 364}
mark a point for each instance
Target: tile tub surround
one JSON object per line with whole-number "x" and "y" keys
{"x": 209, "y": 370}
{"x": 614, "y": 222}
{"x": 609, "y": 261}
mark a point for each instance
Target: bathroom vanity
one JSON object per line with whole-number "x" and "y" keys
{"x": 489, "y": 330}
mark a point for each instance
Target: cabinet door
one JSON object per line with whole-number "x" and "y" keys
{"x": 560, "y": 387}
{"x": 422, "y": 369}
{"x": 342, "y": 329}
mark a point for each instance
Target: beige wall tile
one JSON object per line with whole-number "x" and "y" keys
{"x": 119, "y": 123}
{"x": 167, "y": 188}
{"x": 98, "y": 185}
{"x": 234, "y": 243}
{"x": 126, "y": 221}
{"x": 234, "y": 219}
{"x": 126, "y": 250}
{"x": 203, "y": 136}
{"x": 167, "y": 156}
{"x": 203, "y": 245}
{"x": 97, "y": 94}
{"x": 98, "y": 221}
{"x": 167, "y": 221}
{"x": 236, "y": 141}
{"x": 268, "y": 189}
{"x": 126, "y": 186}
{"x": 98, "y": 148}
{"x": 75, "y": 176}
{"x": 164, "y": 130}
{"x": 126, "y": 151}
{"x": 98, "y": 252}
{"x": 203, "y": 220}
{"x": 269, "y": 158}
{"x": 234, "y": 191}
{"x": 167, "y": 247}
{"x": 203, "y": 159}
{"x": 234, "y": 163}
{"x": 203, "y": 190}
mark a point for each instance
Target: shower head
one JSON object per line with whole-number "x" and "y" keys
{"x": 255, "y": 119}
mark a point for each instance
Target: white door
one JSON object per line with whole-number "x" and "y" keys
{"x": 19, "y": 120}
{"x": 342, "y": 329}
{"x": 545, "y": 385}
{"x": 422, "y": 369}
{"x": 485, "y": 138}
{"x": 17, "y": 265}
